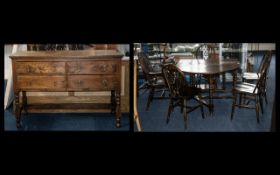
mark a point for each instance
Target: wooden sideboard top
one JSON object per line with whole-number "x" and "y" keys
{"x": 67, "y": 54}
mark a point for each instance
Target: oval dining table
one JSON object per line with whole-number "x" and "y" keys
{"x": 209, "y": 68}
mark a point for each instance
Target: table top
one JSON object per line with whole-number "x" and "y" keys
{"x": 200, "y": 66}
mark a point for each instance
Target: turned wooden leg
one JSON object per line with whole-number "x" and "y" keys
{"x": 201, "y": 107}
{"x": 244, "y": 100}
{"x": 17, "y": 110}
{"x": 257, "y": 108}
{"x": 261, "y": 102}
{"x": 182, "y": 105}
{"x": 211, "y": 90}
{"x": 169, "y": 110}
{"x": 234, "y": 93}
{"x": 24, "y": 101}
{"x": 240, "y": 98}
{"x": 118, "y": 109}
{"x": 233, "y": 104}
{"x": 265, "y": 97}
{"x": 224, "y": 81}
{"x": 185, "y": 114}
{"x": 150, "y": 98}
{"x": 113, "y": 102}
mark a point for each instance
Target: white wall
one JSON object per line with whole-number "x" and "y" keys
{"x": 262, "y": 46}
{"x": 7, "y": 52}
{"x": 7, "y": 61}
{"x": 123, "y": 48}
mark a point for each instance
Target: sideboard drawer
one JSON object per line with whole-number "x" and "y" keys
{"x": 48, "y": 83}
{"x": 40, "y": 67}
{"x": 93, "y": 82}
{"x": 93, "y": 67}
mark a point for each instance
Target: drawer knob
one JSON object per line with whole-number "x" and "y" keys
{"x": 54, "y": 83}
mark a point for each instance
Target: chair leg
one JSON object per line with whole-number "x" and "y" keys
{"x": 233, "y": 105}
{"x": 240, "y": 98}
{"x": 261, "y": 103}
{"x": 144, "y": 86}
{"x": 150, "y": 99}
{"x": 244, "y": 99}
{"x": 163, "y": 93}
{"x": 202, "y": 111}
{"x": 257, "y": 108}
{"x": 265, "y": 97}
{"x": 182, "y": 105}
{"x": 169, "y": 110}
{"x": 224, "y": 81}
{"x": 264, "y": 91}
{"x": 185, "y": 114}
{"x": 201, "y": 107}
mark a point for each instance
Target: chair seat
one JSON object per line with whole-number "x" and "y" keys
{"x": 246, "y": 88}
{"x": 251, "y": 76}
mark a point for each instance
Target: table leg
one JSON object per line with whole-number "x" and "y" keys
{"x": 118, "y": 109}
{"x": 211, "y": 86}
{"x": 24, "y": 101}
{"x": 113, "y": 101}
{"x": 17, "y": 110}
{"x": 234, "y": 77}
{"x": 224, "y": 81}
{"x": 234, "y": 95}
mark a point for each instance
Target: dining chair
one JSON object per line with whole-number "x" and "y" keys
{"x": 154, "y": 81}
{"x": 253, "y": 76}
{"x": 252, "y": 92}
{"x": 180, "y": 92}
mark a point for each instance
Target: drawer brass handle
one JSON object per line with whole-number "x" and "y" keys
{"x": 28, "y": 69}
{"x": 54, "y": 83}
{"x": 42, "y": 69}
{"x": 103, "y": 68}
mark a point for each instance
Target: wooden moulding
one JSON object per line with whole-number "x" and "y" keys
{"x": 69, "y": 106}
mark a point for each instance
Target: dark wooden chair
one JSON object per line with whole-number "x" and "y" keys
{"x": 180, "y": 92}
{"x": 254, "y": 76}
{"x": 252, "y": 92}
{"x": 153, "y": 78}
